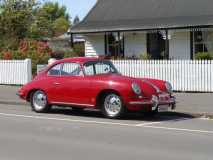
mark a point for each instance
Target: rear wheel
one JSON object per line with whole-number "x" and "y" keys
{"x": 39, "y": 102}
{"x": 113, "y": 106}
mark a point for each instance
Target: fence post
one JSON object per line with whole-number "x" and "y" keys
{"x": 29, "y": 70}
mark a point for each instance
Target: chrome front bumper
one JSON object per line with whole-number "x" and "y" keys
{"x": 156, "y": 101}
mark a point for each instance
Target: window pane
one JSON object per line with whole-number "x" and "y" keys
{"x": 201, "y": 41}
{"x": 102, "y": 68}
{"x": 89, "y": 70}
{"x": 115, "y": 44}
{"x": 55, "y": 71}
{"x": 71, "y": 69}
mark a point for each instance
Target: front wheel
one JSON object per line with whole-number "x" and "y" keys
{"x": 113, "y": 106}
{"x": 39, "y": 102}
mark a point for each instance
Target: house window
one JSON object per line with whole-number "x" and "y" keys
{"x": 156, "y": 45}
{"x": 199, "y": 44}
{"x": 202, "y": 41}
{"x": 114, "y": 44}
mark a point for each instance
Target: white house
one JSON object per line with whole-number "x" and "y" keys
{"x": 166, "y": 29}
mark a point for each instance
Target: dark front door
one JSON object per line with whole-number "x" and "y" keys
{"x": 156, "y": 45}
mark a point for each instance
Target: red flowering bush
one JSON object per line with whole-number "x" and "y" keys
{"x": 39, "y": 52}
{"x": 7, "y": 56}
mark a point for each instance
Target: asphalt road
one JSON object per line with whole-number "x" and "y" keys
{"x": 63, "y": 134}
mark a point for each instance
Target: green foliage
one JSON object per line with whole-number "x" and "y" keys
{"x": 68, "y": 53}
{"x": 79, "y": 50}
{"x": 20, "y": 19}
{"x": 15, "y": 18}
{"x": 24, "y": 22}
{"x": 51, "y": 20}
{"x": 60, "y": 26}
{"x": 145, "y": 56}
{"x": 204, "y": 56}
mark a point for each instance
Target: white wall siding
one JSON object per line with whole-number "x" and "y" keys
{"x": 135, "y": 44}
{"x": 16, "y": 72}
{"x": 179, "y": 45}
{"x": 184, "y": 75}
{"x": 94, "y": 45}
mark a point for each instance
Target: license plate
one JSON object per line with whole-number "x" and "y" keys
{"x": 163, "y": 108}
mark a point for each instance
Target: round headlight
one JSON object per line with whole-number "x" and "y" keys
{"x": 136, "y": 88}
{"x": 169, "y": 87}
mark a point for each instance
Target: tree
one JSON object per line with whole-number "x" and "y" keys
{"x": 76, "y": 20}
{"x": 51, "y": 20}
{"x": 15, "y": 18}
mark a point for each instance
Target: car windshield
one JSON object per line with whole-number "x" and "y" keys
{"x": 99, "y": 67}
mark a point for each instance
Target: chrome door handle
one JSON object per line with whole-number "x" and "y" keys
{"x": 56, "y": 83}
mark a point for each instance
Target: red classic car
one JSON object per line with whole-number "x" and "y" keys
{"x": 96, "y": 83}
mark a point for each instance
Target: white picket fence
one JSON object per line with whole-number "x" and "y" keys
{"x": 15, "y": 72}
{"x": 184, "y": 75}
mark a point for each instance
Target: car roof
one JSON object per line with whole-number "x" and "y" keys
{"x": 81, "y": 60}
{"x": 78, "y": 59}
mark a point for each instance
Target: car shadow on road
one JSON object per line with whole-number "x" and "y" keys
{"x": 132, "y": 116}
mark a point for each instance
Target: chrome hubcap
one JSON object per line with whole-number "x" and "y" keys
{"x": 112, "y": 105}
{"x": 39, "y": 100}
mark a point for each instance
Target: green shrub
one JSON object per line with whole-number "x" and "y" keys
{"x": 145, "y": 56}
{"x": 204, "y": 56}
{"x": 64, "y": 53}
{"x": 79, "y": 50}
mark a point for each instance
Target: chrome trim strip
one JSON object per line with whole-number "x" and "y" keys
{"x": 138, "y": 103}
{"x": 172, "y": 101}
{"x": 74, "y": 104}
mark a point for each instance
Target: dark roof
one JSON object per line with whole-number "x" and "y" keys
{"x": 115, "y": 15}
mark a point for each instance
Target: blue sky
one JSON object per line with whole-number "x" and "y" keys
{"x": 77, "y": 7}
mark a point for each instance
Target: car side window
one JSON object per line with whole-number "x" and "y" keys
{"x": 89, "y": 70}
{"x": 71, "y": 69}
{"x": 55, "y": 70}
{"x": 102, "y": 68}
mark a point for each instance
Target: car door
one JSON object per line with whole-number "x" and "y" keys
{"x": 52, "y": 83}
{"x": 74, "y": 87}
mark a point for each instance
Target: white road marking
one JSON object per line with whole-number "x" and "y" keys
{"x": 146, "y": 124}
{"x": 180, "y": 129}
{"x": 153, "y": 123}
{"x": 206, "y": 119}
{"x": 142, "y": 125}
{"x": 64, "y": 119}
